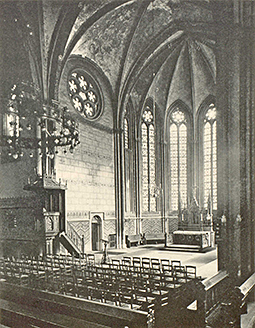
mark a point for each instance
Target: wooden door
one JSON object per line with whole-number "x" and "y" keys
{"x": 95, "y": 236}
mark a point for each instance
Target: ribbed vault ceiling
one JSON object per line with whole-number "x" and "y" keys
{"x": 146, "y": 50}
{"x": 161, "y": 49}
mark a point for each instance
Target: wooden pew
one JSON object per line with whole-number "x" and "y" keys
{"x": 215, "y": 290}
{"x": 133, "y": 240}
{"x": 25, "y": 307}
{"x": 155, "y": 238}
{"x": 247, "y": 287}
{"x": 236, "y": 303}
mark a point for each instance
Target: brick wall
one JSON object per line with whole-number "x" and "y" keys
{"x": 109, "y": 227}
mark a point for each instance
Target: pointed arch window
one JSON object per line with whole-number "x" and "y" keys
{"x": 178, "y": 160}
{"x": 126, "y": 133}
{"x": 210, "y": 157}
{"x": 148, "y": 160}
{"x": 128, "y": 165}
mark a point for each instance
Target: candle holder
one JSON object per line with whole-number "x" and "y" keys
{"x": 29, "y": 124}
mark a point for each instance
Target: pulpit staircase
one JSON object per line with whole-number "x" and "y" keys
{"x": 58, "y": 230}
{"x": 71, "y": 240}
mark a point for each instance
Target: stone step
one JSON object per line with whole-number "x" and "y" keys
{"x": 184, "y": 247}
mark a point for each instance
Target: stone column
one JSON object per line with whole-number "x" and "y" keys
{"x": 163, "y": 185}
{"x": 222, "y": 143}
{"x": 235, "y": 118}
{"x": 228, "y": 134}
{"x": 119, "y": 192}
{"x": 137, "y": 180}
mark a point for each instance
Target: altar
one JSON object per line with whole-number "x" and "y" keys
{"x": 202, "y": 239}
{"x": 195, "y": 228}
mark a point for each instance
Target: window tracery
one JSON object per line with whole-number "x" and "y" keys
{"x": 148, "y": 160}
{"x": 126, "y": 134}
{"x": 178, "y": 159}
{"x": 210, "y": 157}
{"x": 84, "y": 94}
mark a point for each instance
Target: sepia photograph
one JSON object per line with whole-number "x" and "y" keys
{"x": 127, "y": 161}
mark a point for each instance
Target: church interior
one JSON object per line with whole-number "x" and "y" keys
{"x": 127, "y": 126}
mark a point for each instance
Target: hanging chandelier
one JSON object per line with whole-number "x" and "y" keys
{"x": 29, "y": 124}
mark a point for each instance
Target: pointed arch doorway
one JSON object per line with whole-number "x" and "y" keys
{"x": 96, "y": 232}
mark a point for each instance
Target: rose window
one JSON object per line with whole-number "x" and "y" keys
{"x": 211, "y": 113}
{"x": 147, "y": 116}
{"x": 178, "y": 116}
{"x": 85, "y": 95}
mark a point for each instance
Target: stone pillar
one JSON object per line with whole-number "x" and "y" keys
{"x": 137, "y": 180}
{"x": 118, "y": 188}
{"x": 235, "y": 118}
{"x": 228, "y": 132}
{"x": 222, "y": 244}
{"x": 251, "y": 118}
{"x": 222, "y": 141}
{"x": 246, "y": 168}
{"x": 163, "y": 184}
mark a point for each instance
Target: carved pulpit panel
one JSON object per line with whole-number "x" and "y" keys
{"x": 51, "y": 220}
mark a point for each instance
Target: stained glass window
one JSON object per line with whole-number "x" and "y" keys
{"x": 148, "y": 161}
{"x": 126, "y": 132}
{"x": 178, "y": 160}
{"x": 210, "y": 157}
{"x": 84, "y": 94}
{"x": 128, "y": 159}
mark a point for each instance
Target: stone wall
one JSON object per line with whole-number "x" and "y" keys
{"x": 89, "y": 171}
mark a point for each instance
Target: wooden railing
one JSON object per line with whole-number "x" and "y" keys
{"x": 236, "y": 302}
{"x": 75, "y": 237}
{"x": 215, "y": 289}
{"x": 247, "y": 286}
